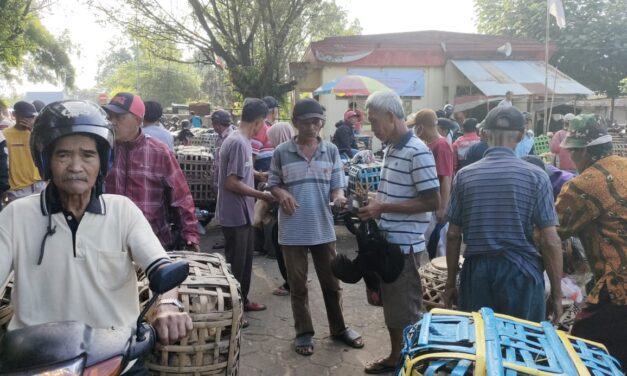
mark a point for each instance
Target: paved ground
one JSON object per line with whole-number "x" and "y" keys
{"x": 267, "y": 347}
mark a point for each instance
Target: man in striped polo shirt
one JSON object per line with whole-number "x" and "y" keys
{"x": 305, "y": 175}
{"x": 497, "y": 202}
{"x": 408, "y": 191}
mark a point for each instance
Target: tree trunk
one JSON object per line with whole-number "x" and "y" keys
{"x": 612, "y": 110}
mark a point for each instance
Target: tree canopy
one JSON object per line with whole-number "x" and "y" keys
{"x": 27, "y": 47}
{"x": 592, "y": 48}
{"x": 135, "y": 69}
{"x": 254, "y": 41}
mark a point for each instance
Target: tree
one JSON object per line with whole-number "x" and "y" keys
{"x": 592, "y": 48}
{"x": 27, "y": 47}
{"x": 253, "y": 40}
{"x": 136, "y": 70}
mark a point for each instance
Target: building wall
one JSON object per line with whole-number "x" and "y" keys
{"x": 440, "y": 88}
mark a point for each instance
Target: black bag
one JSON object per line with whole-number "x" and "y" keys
{"x": 376, "y": 258}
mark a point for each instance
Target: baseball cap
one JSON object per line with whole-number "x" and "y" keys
{"x": 308, "y": 108}
{"x": 122, "y": 103}
{"x": 586, "y": 130}
{"x": 270, "y": 102}
{"x": 25, "y": 109}
{"x": 350, "y": 114}
{"x": 221, "y": 117}
{"x": 505, "y": 119}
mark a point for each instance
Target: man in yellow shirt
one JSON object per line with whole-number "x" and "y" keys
{"x": 24, "y": 177}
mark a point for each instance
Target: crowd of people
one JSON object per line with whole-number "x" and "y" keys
{"x": 94, "y": 189}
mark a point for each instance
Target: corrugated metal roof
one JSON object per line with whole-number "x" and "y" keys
{"x": 526, "y": 77}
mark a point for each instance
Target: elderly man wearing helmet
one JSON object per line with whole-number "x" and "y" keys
{"x": 70, "y": 246}
{"x": 593, "y": 207}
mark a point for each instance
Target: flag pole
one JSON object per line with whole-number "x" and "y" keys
{"x": 546, "y": 69}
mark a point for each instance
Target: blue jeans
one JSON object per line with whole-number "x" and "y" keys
{"x": 496, "y": 282}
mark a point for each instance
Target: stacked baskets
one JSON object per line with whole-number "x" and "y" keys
{"x": 620, "y": 145}
{"x": 196, "y": 162}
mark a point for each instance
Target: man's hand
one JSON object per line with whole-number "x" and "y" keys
{"x": 554, "y": 309}
{"x": 372, "y": 210}
{"x": 449, "y": 296}
{"x": 171, "y": 325}
{"x": 262, "y": 176}
{"x": 440, "y": 215}
{"x": 288, "y": 202}
{"x": 339, "y": 202}
{"x": 267, "y": 197}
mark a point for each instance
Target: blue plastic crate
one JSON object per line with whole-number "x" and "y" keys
{"x": 364, "y": 177}
{"x": 484, "y": 343}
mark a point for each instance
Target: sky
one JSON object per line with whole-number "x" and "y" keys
{"x": 375, "y": 17}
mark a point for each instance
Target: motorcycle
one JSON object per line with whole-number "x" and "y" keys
{"x": 73, "y": 348}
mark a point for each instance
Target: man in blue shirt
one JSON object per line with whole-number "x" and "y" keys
{"x": 497, "y": 202}
{"x": 195, "y": 120}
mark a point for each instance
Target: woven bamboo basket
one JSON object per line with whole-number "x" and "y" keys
{"x": 620, "y": 146}
{"x": 211, "y": 296}
{"x": 6, "y": 309}
{"x": 433, "y": 278}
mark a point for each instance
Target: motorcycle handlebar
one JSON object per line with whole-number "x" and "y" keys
{"x": 144, "y": 342}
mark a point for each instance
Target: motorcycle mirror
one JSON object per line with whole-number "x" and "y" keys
{"x": 169, "y": 277}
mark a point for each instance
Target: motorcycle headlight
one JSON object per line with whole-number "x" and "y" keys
{"x": 71, "y": 368}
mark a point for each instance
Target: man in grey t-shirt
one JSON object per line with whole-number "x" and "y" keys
{"x": 236, "y": 196}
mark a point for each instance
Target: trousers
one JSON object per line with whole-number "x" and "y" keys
{"x": 296, "y": 263}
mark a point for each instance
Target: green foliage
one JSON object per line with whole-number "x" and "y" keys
{"x": 254, "y": 41}
{"x": 27, "y": 47}
{"x": 123, "y": 69}
{"x": 592, "y": 48}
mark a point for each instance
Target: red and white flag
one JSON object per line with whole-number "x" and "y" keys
{"x": 556, "y": 9}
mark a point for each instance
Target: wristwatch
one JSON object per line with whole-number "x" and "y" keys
{"x": 174, "y": 302}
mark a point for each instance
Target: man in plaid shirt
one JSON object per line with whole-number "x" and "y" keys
{"x": 145, "y": 171}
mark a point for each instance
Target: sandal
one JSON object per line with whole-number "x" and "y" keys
{"x": 304, "y": 344}
{"x": 350, "y": 338}
{"x": 379, "y": 366}
{"x": 281, "y": 291}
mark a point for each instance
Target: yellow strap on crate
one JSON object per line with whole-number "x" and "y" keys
{"x": 581, "y": 368}
{"x": 410, "y": 363}
{"x": 480, "y": 364}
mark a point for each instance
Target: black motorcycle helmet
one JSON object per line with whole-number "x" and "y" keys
{"x": 70, "y": 117}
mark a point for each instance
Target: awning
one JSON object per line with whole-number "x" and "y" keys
{"x": 524, "y": 77}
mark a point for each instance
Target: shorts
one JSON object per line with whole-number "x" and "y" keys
{"x": 402, "y": 299}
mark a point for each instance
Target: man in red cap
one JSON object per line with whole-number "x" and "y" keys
{"x": 145, "y": 171}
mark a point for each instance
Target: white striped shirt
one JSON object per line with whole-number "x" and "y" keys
{"x": 408, "y": 170}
